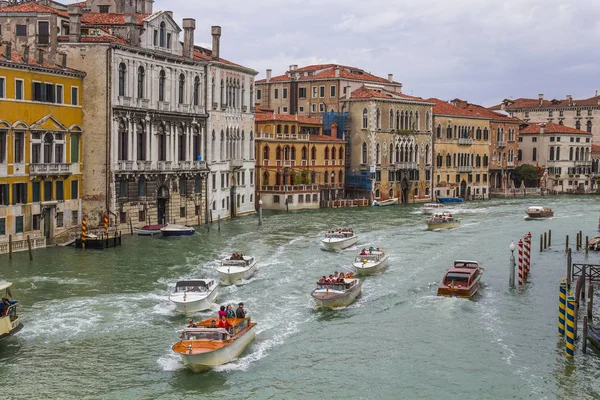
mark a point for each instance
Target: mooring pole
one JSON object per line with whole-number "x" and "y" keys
{"x": 590, "y": 300}
{"x": 10, "y": 247}
{"x": 585, "y": 334}
{"x": 545, "y": 241}
{"x": 570, "y": 343}
{"x": 219, "y": 221}
{"x": 260, "y": 203}
{"x": 29, "y": 247}
{"x": 567, "y": 245}
{"x": 587, "y": 247}
{"x": 541, "y": 243}
{"x": 511, "y": 279}
{"x": 549, "y": 237}
{"x": 562, "y": 307}
{"x": 569, "y": 266}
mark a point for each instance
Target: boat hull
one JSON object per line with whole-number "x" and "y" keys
{"x": 371, "y": 268}
{"x": 330, "y": 244}
{"x": 341, "y": 300}
{"x": 466, "y": 292}
{"x": 443, "y": 225}
{"x": 229, "y": 278}
{"x": 444, "y": 200}
{"x": 204, "y": 361}
{"x": 386, "y": 203}
{"x": 194, "y": 305}
{"x": 147, "y": 232}
{"x": 9, "y": 328}
{"x": 179, "y": 233}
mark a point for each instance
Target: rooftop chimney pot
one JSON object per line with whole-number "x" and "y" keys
{"x": 216, "y": 42}
{"x": 189, "y": 25}
{"x": 74, "y": 23}
{"x": 390, "y": 78}
{"x": 268, "y": 75}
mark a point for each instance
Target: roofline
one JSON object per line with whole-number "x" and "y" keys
{"x": 332, "y": 79}
{"x": 390, "y": 100}
{"x": 286, "y": 121}
{"x": 235, "y": 67}
{"x": 460, "y": 116}
{"x": 56, "y": 71}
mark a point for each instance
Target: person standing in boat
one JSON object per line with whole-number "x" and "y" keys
{"x": 230, "y": 312}
{"x": 222, "y": 312}
{"x": 240, "y": 312}
{"x": 223, "y": 323}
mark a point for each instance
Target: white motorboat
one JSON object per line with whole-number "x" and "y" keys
{"x": 432, "y": 208}
{"x": 236, "y": 268}
{"x": 371, "y": 262}
{"x": 194, "y": 295}
{"x": 339, "y": 239}
{"x": 9, "y": 320}
{"x": 177, "y": 230}
{"x": 334, "y": 294}
{"x": 443, "y": 220}
{"x": 206, "y": 346}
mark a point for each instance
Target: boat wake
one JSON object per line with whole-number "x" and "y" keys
{"x": 170, "y": 361}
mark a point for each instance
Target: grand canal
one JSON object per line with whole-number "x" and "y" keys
{"x": 99, "y": 324}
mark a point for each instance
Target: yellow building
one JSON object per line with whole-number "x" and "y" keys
{"x": 461, "y": 150}
{"x": 297, "y": 167}
{"x": 40, "y": 147}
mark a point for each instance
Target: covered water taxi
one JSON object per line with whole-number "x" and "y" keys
{"x": 340, "y": 291}
{"x": 444, "y": 220}
{"x": 9, "y": 319}
{"x": 450, "y": 200}
{"x": 462, "y": 280}
{"x": 370, "y": 262}
{"x": 235, "y": 268}
{"x": 431, "y": 208}
{"x": 537, "y": 212}
{"x": 206, "y": 345}
{"x": 194, "y": 295}
{"x": 339, "y": 239}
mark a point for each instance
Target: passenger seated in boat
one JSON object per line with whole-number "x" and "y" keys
{"x": 195, "y": 289}
{"x": 363, "y": 252}
{"x": 341, "y": 275}
{"x": 323, "y": 279}
{"x": 213, "y": 323}
{"x": 191, "y": 323}
{"x": 223, "y": 323}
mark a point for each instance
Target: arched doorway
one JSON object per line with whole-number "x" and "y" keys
{"x": 162, "y": 199}
{"x": 463, "y": 189}
{"x": 404, "y": 190}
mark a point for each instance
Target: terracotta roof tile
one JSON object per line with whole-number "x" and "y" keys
{"x": 554, "y": 103}
{"x": 328, "y": 71}
{"x": 200, "y": 53}
{"x": 17, "y": 58}
{"x": 550, "y": 127}
{"x": 444, "y": 108}
{"x": 33, "y": 7}
{"x": 80, "y": 4}
{"x": 96, "y": 39}
{"x": 595, "y": 148}
{"x": 94, "y": 18}
{"x": 269, "y": 116}
{"x": 325, "y": 138}
{"x": 368, "y": 93}
{"x": 496, "y": 116}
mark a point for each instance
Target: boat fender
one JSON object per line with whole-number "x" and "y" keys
{"x": 190, "y": 349}
{"x": 184, "y": 296}
{"x": 365, "y": 261}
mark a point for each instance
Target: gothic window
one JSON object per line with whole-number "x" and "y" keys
{"x": 326, "y": 153}
{"x": 161, "y": 85}
{"x": 391, "y": 161}
{"x": 364, "y": 153}
{"x": 427, "y": 122}
{"x": 162, "y": 34}
{"x": 589, "y": 126}
{"x": 181, "y": 88}
{"x": 378, "y": 119}
{"x": 341, "y": 153}
{"x": 162, "y": 143}
{"x": 122, "y": 72}
{"x": 578, "y": 124}
{"x": 557, "y": 153}
{"x": 485, "y": 160}
{"x": 551, "y": 153}
{"x": 377, "y": 152}
{"x": 391, "y": 119}
{"x": 534, "y": 154}
{"x": 196, "y": 90}
{"x": 313, "y": 153}
{"x": 140, "y": 82}
{"x": 448, "y": 160}
{"x": 278, "y": 153}
{"x": 333, "y": 153}
{"x": 438, "y": 132}
{"x": 397, "y": 119}
{"x": 304, "y": 153}
{"x": 365, "y": 119}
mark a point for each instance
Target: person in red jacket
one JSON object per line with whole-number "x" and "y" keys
{"x": 223, "y": 323}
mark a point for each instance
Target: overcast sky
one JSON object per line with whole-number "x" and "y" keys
{"x": 479, "y": 50}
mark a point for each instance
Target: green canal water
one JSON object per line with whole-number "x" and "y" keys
{"x": 99, "y": 324}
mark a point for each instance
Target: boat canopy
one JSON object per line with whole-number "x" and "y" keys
{"x": 466, "y": 264}
{"x": 5, "y": 285}
{"x": 205, "y": 334}
{"x": 193, "y": 285}
{"x": 375, "y": 256}
{"x": 244, "y": 262}
{"x": 457, "y": 277}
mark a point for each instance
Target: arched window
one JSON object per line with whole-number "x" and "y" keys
{"x": 397, "y": 119}
{"x": 448, "y": 160}
{"x": 365, "y": 119}
{"x": 162, "y": 34}
{"x": 140, "y": 82}
{"x": 304, "y": 153}
{"x": 222, "y": 144}
{"x": 571, "y": 154}
{"x": 377, "y": 160}
{"x": 534, "y": 154}
{"x": 485, "y": 160}
{"x": 161, "y": 85}
{"x": 222, "y": 93}
{"x": 341, "y": 178}
{"x": 278, "y": 153}
{"x": 427, "y": 159}
{"x": 278, "y": 128}
{"x": 519, "y": 155}
{"x": 196, "y": 90}
{"x": 122, "y": 73}
{"x": 478, "y": 161}
{"x": 449, "y": 132}
{"x": 438, "y": 132}
{"x": 313, "y": 153}
{"x": 391, "y": 161}
{"x": 427, "y": 122}
{"x": 266, "y": 153}
{"x": 578, "y": 124}
{"x": 439, "y": 160}
{"x": 333, "y": 153}
{"x": 398, "y": 154}
{"x": 293, "y": 129}
{"x": 557, "y": 153}
{"x": 551, "y": 153}
{"x": 265, "y": 178}
{"x": 326, "y": 153}
{"x": 293, "y": 155}
{"x": 364, "y": 153}
{"x": 378, "y": 119}
{"x": 391, "y": 119}
{"x": 341, "y": 153}
{"x": 332, "y": 178}
{"x": 325, "y": 177}
{"x": 181, "y": 87}
{"x": 286, "y": 129}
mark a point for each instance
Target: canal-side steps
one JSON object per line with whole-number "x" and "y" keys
{"x": 66, "y": 237}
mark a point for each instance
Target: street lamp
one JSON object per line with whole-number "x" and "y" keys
{"x": 512, "y": 248}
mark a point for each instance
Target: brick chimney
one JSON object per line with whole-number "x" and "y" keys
{"x": 268, "y": 75}
{"x": 570, "y": 99}
{"x": 63, "y": 58}
{"x": 130, "y": 33}
{"x": 334, "y": 129}
{"x": 337, "y": 72}
{"x": 189, "y": 26}
{"x": 540, "y": 99}
{"x": 390, "y": 78}
{"x": 459, "y": 103}
{"x": 26, "y": 54}
{"x": 74, "y": 23}
{"x": 7, "y": 50}
{"x": 216, "y": 43}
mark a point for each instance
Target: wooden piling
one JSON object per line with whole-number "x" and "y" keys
{"x": 541, "y": 243}
{"x": 29, "y": 247}
{"x": 569, "y": 266}
{"x": 10, "y": 247}
{"x": 567, "y": 245}
{"x": 549, "y": 237}
{"x": 130, "y": 228}
{"x": 219, "y": 221}
{"x": 585, "y": 333}
{"x": 582, "y": 277}
{"x": 590, "y": 301}
{"x": 587, "y": 247}
{"x": 545, "y": 241}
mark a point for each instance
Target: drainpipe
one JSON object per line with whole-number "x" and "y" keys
{"x": 108, "y": 196}
{"x": 206, "y": 81}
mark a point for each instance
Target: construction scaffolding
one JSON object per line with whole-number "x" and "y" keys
{"x": 340, "y": 118}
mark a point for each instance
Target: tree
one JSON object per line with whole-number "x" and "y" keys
{"x": 527, "y": 173}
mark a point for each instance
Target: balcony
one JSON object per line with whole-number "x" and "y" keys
{"x": 510, "y": 163}
{"x": 140, "y": 103}
{"x": 215, "y": 105}
{"x": 404, "y": 166}
{"x": 197, "y": 109}
{"x": 304, "y": 163}
{"x": 501, "y": 143}
{"x": 223, "y": 106}
{"x": 465, "y": 141}
{"x": 183, "y": 108}
{"x": 244, "y": 108}
{"x": 164, "y": 165}
{"x": 163, "y": 106}
{"x": 289, "y": 163}
{"x": 583, "y": 163}
{"x": 50, "y": 169}
{"x": 236, "y": 163}
{"x": 465, "y": 168}
{"x": 290, "y": 188}
{"x": 124, "y": 101}
{"x": 144, "y": 165}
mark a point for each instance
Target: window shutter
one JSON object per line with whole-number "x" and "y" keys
{"x": 14, "y": 189}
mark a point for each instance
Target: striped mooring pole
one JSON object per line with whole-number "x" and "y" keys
{"x": 106, "y": 225}
{"x": 570, "y": 349}
{"x": 527, "y": 256}
{"x": 83, "y": 231}
{"x": 562, "y": 299}
{"x": 520, "y": 262}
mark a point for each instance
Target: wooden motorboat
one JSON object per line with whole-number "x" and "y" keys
{"x": 371, "y": 262}
{"x": 432, "y": 208}
{"x": 236, "y": 268}
{"x": 9, "y": 319}
{"x": 537, "y": 212}
{"x": 206, "y": 346}
{"x": 331, "y": 294}
{"x": 384, "y": 203}
{"x": 450, "y": 200}
{"x": 177, "y": 230}
{"x": 194, "y": 295}
{"x": 443, "y": 220}
{"x": 594, "y": 243}
{"x": 462, "y": 280}
{"x": 339, "y": 239}
{"x": 149, "y": 230}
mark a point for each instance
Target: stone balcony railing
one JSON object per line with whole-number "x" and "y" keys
{"x": 236, "y": 163}
{"x": 465, "y": 141}
{"x": 163, "y": 106}
{"x": 501, "y": 143}
{"x": 404, "y": 165}
{"x": 51, "y": 169}
{"x": 465, "y": 168}
{"x": 290, "y": 188}
{"x": 510, "y": 163}
{"x": 583, "y": 163}
{"x": 157, "y": 166}
{"x": 124, "y": 101}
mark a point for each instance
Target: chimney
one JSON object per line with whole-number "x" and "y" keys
{"x": 348, "y": 91}
{"x": 40, "y": 56}
{"x": 63, "y": 58}
{"x": 390, "y": 78}
{"x": 596, "y": 95}
{"x": 268, "y": 75}
{"x": 334, "y": 129}
{"x": 542, "y": 128}
{"x": 570, "y": 98}
{"x": 26, "y": 54}
{"x": 189, "y": 25}
{"x": 74, "y": 23}
{"x": 540, "y": 99}
{"x": 295, "y": 66}
{"x": 337, "y": 72}
{"x": 291, "y": 68}
{"x": 216, "y": 44}
{"x": 130, "y": 21}
{"x": 7, "y": 50}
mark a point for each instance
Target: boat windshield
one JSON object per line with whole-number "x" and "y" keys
{"x": 237, "y": 262}
{"x": 325, "y": 286}
{"x": 457, "y": 277}
{"x": 368, "y": 257}
{"x": 191, "y": 286}
{"x": 205, "y": 335}
{"x": 466, "y": 264}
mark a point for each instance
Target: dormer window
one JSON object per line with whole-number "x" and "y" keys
{"x": 162, "y": 34}
{"x": 168, "y": 40}
{"x": 103, "y": 9}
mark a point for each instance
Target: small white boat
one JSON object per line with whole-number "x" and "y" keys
{"x": 177, "y": 230}
{"x": 337, "y": 294}
{"x": 432, "y": 208}
{"x": 537, "y": 212}
{"x": 149, "y": 230}
{"x": 9, "y": 319}
{"x": 236, "y": 268}
{"x": 339, "y": 239}
{"x": 371, "y": 262}
{"x": 443, "y": 220}
{"x": 206, "y": 346}
{"x": 384, "y": 203}
{"x": 194, "y": 295}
